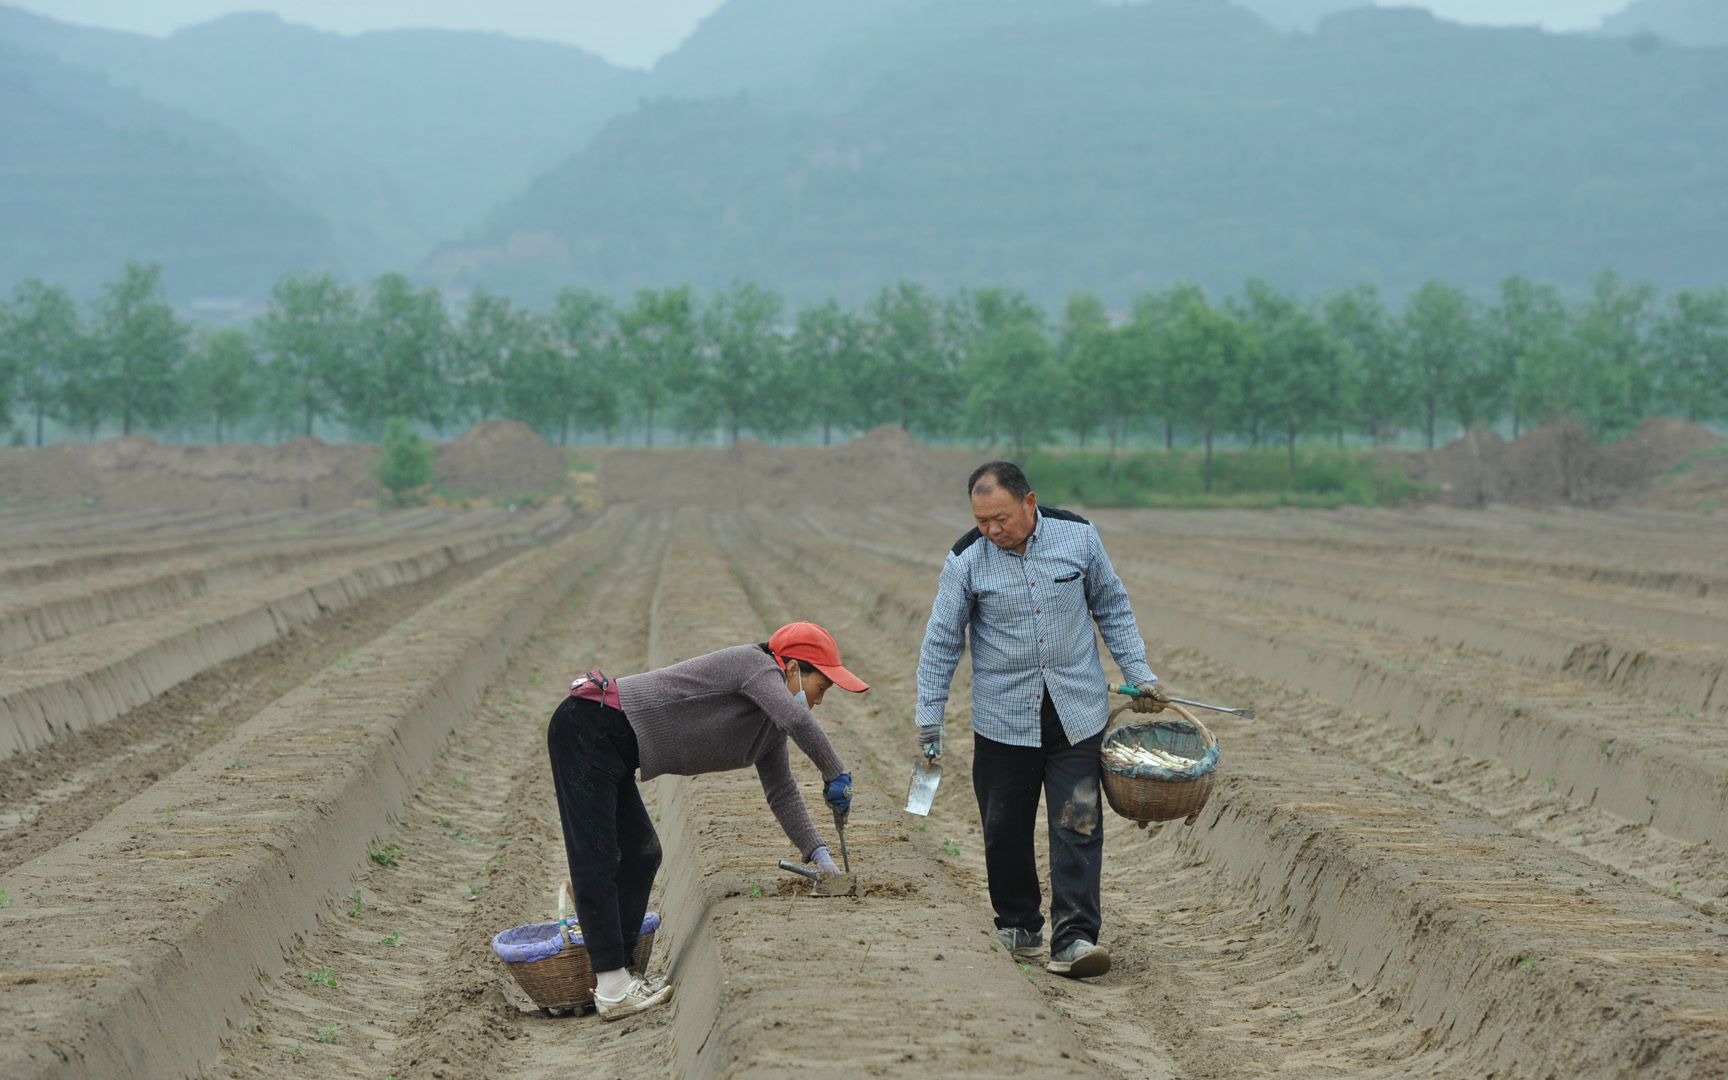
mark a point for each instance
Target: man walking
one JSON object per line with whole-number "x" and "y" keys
{"x": 1028, "y": 583}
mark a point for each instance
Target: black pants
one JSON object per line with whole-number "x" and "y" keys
{"x": 608, "y": 836}
{"x": 1007, "y": 780}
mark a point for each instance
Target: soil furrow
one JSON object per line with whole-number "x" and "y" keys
{"x": 132, "y": 945}
{"x": 478, "y": 844}
{"x": 1269, "y": 829}
{"x": 84, "y": 682}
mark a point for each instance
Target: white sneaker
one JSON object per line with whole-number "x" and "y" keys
{"x": 640, "y": 996}
{"x": 1079, "y": 960}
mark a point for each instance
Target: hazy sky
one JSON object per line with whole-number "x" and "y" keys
{"x": 632, "y": 32}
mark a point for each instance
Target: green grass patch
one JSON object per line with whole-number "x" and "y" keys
{"x": 1685, "y": 464}
{"x": 1241, "y": 479}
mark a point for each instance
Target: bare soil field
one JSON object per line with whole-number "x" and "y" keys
{"x": 270, "y": 782}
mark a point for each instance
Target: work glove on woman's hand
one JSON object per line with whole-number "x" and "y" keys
{"x": 930, "y": 742}
{"x": 838, "y": 792}
{"x": 1152, "y": 697}
{"x": 824, "y": 861}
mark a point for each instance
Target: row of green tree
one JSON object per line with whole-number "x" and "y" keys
{"x": 988, "y": 364}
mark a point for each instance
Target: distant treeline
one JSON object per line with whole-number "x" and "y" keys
{"x": 987, "y": 364}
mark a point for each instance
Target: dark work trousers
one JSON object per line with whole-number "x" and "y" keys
{"x": 608, "y": 836}
{"x": 1007, "y": 780}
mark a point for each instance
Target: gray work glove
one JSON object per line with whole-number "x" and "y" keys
{"x": 824, "y": 861}
{"x": 930, "y": 742}
{"x": 1152, "y": 697}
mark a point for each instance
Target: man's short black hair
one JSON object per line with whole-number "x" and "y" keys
{"x": 1006, "y": 474}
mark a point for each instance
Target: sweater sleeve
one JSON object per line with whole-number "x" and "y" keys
{"x": 775, "y": 769}
{"x": 797, "y": 721}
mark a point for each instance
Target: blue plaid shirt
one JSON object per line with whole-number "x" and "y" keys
{"x": 1031, "y": 621}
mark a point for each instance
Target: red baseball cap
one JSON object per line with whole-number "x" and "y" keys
{"x": 808, "y": 642}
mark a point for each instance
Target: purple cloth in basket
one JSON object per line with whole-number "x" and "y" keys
{"x": 541, "y": 940}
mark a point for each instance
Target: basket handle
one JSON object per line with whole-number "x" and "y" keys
{"x": 1205, "y": 732}
{"x": 564, "y": 912}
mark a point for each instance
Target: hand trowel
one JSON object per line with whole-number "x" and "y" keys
{"x": 926, "y": 777}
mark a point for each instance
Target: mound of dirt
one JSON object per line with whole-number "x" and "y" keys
{"x": 1560, "y": 463}
{"x": 500, "y": 457}
{"x": 884, "y": 467}
{"x": 135, "y": 473}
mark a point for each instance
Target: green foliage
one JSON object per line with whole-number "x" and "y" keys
{"x": 984, "y": 365}
{"x": 404, "y": 343}
{"x": 386, "y": 855}
{"x": 404, "y": 463}
{"x": 330, "y": 1035}
{"x": 657, "y": 341}
{"x": 322, "y": 977}
{"x": 308, "y": 341}
{"x": 1240, "y": 478}
{"x": 42, "y": 351}
{"x": 222, "y": 379}
{"x": 139, "y": 345}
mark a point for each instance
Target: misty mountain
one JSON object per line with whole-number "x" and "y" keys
{"x": 1685, "y": 22}
{"x": 1300, "y": 14}
{"x": 95, "y": 175}
{"x": 1125, "y": 148}
{"x": 400, "y": 138}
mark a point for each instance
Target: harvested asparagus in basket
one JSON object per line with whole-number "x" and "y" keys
{"x": 1125, "y": 756}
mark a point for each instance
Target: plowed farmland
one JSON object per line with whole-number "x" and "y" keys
{"x": 270, "y": 782}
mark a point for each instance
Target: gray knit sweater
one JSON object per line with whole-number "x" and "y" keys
{"x": 723, "y": 711}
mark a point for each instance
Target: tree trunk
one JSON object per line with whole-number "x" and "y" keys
{"x": 40, "y": 408}
{"x": 1291, "y": 447}
{"x": 308, "y": 417}
{"x": 827, "y": 432}
{"x": 1206, "y": 472}
{"x": 1516, "y": 424}
{"x": 1169, "y": 435}
{"x": 1430, "y": 406}
{"x": 649, "y": 434}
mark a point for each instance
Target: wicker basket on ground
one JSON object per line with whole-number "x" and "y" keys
{"x": 551, "y": 965}
{"x": 1147, "y": 793}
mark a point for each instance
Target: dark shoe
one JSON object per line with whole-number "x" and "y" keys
{"x": 1079, "y": 960}
{"x": 1025, "y": 945}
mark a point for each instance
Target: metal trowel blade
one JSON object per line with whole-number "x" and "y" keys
{"x": 836, "y": 885}
{"x": 926, "y": 777}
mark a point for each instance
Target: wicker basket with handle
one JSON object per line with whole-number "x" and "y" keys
{"x": 1171, "y": 795}
{"x": 551, "y": 965}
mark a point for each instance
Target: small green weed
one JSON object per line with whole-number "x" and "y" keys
{"x": 347, "y": 661}
{"x": 330, "y": 1036}
{"x": 236, "y": 765}
{"x": 950, "y": 846}
{"x": 168, "y": 814}
{"x": 1529, "y": 965}
{"x": 1674, "y": 890}
{"x": 356, "y": 904}
{"x": 755, "y": 891}
{"x": 5, "y": 900}
{"x": 323, "y": 977}
{"x": 458, "y": 781}
{"x": 298, "y": 1052}
{"x": 1289, "y": 1016}
{"x": 921, "y": 827}
{"x": 474, "y": 891}
{"x": 394, "y": 941}
{"x": 1549, "y": 783}
{"x": 387, "y": 855}
{"x": 1450, "y": 741}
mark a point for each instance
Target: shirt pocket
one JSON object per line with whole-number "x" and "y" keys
{"x": 1068, "y": 592}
